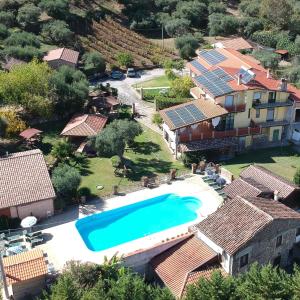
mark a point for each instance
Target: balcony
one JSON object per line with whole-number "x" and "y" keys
{"x": 236, "y": 108}
{"x": 259, "y": 105}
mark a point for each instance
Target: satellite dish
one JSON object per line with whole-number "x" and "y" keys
{"x": 216, "y": 121}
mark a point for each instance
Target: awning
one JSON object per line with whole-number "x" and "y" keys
{"x": 201, "y": 145}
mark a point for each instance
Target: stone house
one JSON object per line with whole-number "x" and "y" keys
{"x": 62, "y": 57}
{"x": 242, "y": 231}
{"x": 25, "y": 185}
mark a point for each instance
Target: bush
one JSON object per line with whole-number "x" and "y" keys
{"x": 162, "y": 102}
{"x": 62, "y": 150}
{"x": 13, "y": 124}
{"x": 250, "y": 25}
{"x": 180, "y": 87}
{"x": 157, "y": 119}
{"x": 57, "y": 32}
{"x": 28, "y": 14}
{"x": 84, "y": 191}
{"x": 115, "y": 161}
{"x": 297, "y": 177}
{"x": 177, "y": 27}
{"x": 266, "y": 38}
{"x": 125, "y": 59}
{"x": 267, "y": 58}
{"x": 94, "y": 61}
{"x": 7, "y": 18}
{"x": 26, "y": 53}
{"x": 56, "y": 8}
{"x": 22, "y": 39}
{"x": 187, "y": 46}
{"x": 220, "y": 24}
{"x": 170, "y": 74}
{"x": 216, "y": 7}
{"x": 3, "y": 32}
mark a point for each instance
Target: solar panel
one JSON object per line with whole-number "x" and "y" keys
{"x": 213, "y": 57}
{"x": 222, "y": 74}
{"x": 185, "y": 115}
{"x": 246, "y": 75}
{"x": 195, "y": 63}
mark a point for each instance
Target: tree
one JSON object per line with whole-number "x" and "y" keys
{"x": 28, "y": 85}
{"x": 11, "y": 123}
{"x": 187, "y": 45}
{"x": 3, "y": 32}
{"x": 267, "y": 58}
{"x": 216, "y": 7}
{"x": 218, "y": 287}
{"x": 58, "y": 9}
{"x": 26, "y": 53}
{"x": 297, "y": 177}
{"x": 7, "y": 18}
{"x": 277, "y": 12}
{"x": 220, "y": 24}
{"x": 57, "y": 32}
{"x": 266, "y": 38}
{"x": 181, "y": 86}
{"x": 62, "y": 150}
{"x": 113, "y": 139}
{"x": 125, "y": 59}
{"x": 250, "y": 25}
{"x": 71, "y": 90}
{"x": 28, "y": 14}
{"x": 66, "y": 180}
{"x": 94, "y": 61}
{"x": 264, "y": 282}
{"x": 22, "y": 39}
{"x": 177, "y": 27}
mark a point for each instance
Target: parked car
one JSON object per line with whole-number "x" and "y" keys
{"x": 116, "y": 75}
{"x": 131, "y": 72}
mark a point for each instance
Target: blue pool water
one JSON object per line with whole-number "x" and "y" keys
{"x": 127, "y": 223}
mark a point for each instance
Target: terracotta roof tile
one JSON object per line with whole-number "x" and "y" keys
{"x": 238, "y": 220}
{"x": 174, "y": 265}
{"x": 24, "y": 178}
{"x": 24, "y": 266}
{"x": 29, "y": 133}
{"x": 65, "y": 54}
{"x": 269, "y": 180}
{"x": 236, "y": 44}
{"x": 84, "y": 125}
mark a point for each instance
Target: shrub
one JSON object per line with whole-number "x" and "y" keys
{"x": 220, "y": 24}
{"x": 170, "y": 74}
{"x": 297, "y": 177}
{"x": 57, "y": 32}
{"x": 13, "y": 123}
{"x": 157, "y": 119}
{"x": 94, "y": 61}
{"x": 62, "y": 150}
{"x": 162, "y": 102}
{"x": 28, "y": 14}
{"x": 250, "y": 25}
{"x": 187, "y": 46}
{"x": 115, "y": 161}
{"x": 266, "y": 38}
{"x": 3, "y": 32}
{"x": 7, "y": 18}
{"x": 26, "y": 53}
{"x": 267, "y": 58}
{"x": 22, "y": 39}
{"x": 125, "y": 59}
{"x": 177, "y": 27}
{"x": 84, "y": 191}
{"x": 180, "y": 87}
{"x": 216, "y": 7}
{"x": 55, "y": 8}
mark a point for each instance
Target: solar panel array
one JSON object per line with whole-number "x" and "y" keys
{"x": 214, "y": 84}
{"x": 213, "y": 57}
{"x": 195, "y": 63}
{"x": 222, "y": 74}
{"x": 246, "y": 75}
{"x": 185, "y": 115}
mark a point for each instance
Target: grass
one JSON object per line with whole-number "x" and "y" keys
{"x": 282, "y": 161}
{"x": 148, "y": 157}
{"x": 161, "y": 81}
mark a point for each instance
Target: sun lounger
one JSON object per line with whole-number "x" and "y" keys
{"x": 34, "y": 234}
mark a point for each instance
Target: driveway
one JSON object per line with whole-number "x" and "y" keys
{"x": 128, "y": 96}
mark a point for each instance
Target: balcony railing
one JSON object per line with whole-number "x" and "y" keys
{"x": 260, "y": 105}
{"x": 236, "y": 132}
{"x": 236, "y": 108}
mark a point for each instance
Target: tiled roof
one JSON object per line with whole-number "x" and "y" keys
{"x": 29, "y": 133}
{"x": 208, "y": 110}
{"x": 85, "y": 125}
{"x": 24, "y": 266}
{"x": 65, "y": 54}
{"x": 232, "y": 63}
{"x": 236, "y": 44}
{"x": 24, "y": 178}
{"x": 174, "y": 265}
{"x": 238, "y": 220}
{"x": 269, "y": 179}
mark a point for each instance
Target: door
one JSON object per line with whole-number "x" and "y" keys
{"x": 270, "y": 114}
{"x": 275, "y": 135}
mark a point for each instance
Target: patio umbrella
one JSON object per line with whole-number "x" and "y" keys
{"x": 28, "y": 222}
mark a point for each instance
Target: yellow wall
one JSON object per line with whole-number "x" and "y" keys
{"x": 271, "y": 129}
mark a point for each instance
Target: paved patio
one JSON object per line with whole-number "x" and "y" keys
{"x": 64, "y": 243}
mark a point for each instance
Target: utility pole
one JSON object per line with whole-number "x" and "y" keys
{"x": 3, "y": 277}
{"x": 162, "y": 36}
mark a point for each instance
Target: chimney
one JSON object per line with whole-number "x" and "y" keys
{"x": 268, "y": 73}
{"x": 283, "y": 85}
{"x": 276, "y": 195}
{"x": 239, "y": 79}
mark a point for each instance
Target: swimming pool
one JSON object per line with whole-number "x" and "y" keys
{"x": 127, "y": 223}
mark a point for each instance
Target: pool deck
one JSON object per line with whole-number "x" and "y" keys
{"x": 64, "y": 242}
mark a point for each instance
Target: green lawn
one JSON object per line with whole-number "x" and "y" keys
{"x": 282, "y": 161}
{"x": 149, "y": 156}
{"x": 161, "y": 81}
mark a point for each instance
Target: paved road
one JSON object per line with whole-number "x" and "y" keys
{"x": 128, "y": 96}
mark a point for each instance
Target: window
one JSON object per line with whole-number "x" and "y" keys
{"x": 270, "y": 114}
{"x": 244, "y": 260}
{"x": 278, "y": 241}
{"x": 249, "y": 113}
{"x": 257, "y": 96}
{"x": 229, "y": 122}
{"x": 257, "y": 113}
{"x": 298, "y": 232}
{"x": 229, "y": 100}
{"x": 272, "y": 97}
